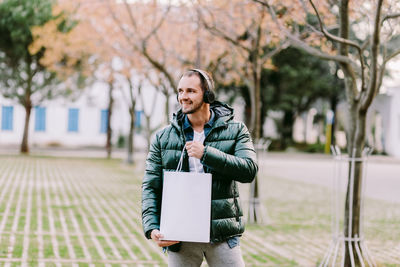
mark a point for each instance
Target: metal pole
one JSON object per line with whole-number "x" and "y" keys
{"x": 342, "y": 241}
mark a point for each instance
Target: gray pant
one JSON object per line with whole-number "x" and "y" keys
{"x": 217, "y": 255}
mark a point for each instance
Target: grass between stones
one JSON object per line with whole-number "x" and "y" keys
{"x": 87, "y": 212}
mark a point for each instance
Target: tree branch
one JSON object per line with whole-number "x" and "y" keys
{"x": 295, "y": 41}
{"x": 214, "y": 30}
{"x": 160, "y": 67}
{"x": 331, "y": 36}
{"x": 142, "y": 48}
{"x": 390, "y": 16}
{"x": 381, "y": 73}
{"x": 391, "y": 56}
{"x": 213, "y": 65}
{"x": 372, "y": 87}
{"x": 343, "y": 41}
{"x": 132, "y": 19}
{"x": 162, "y": 47}
{"x": 158, "y": 25}
{"x": 262, "y": 3}
{"x": 382, "y": 69}
{"x": 365, "y": 44}
{"x": 275, "y": 51}
{"x": 222, "y": 35}
{"x": 316, "y": 52}
{"x": 123, "y": 30}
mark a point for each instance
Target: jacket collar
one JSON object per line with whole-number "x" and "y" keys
{"x": 223, "y": 113}
{"x": 209, "y": 124}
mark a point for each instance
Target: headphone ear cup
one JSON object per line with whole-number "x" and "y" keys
{"x": 209, "y": 97}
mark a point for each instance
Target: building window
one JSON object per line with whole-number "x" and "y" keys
{"x": 40, "y": 119}
{"x": 138, "y": 118}
{"x": 73, "y": 119}
{"x": 7, "y": 114}
{"x": 103, "y": 120}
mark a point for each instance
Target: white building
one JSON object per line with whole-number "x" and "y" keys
{"x": 387, "y": 109}
{"x": 64, "y": 122}
{"x": 82, "y": 123}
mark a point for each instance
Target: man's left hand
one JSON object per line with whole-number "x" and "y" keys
{"x": 195, "y": 149}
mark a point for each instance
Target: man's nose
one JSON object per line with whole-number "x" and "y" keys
{"x": 183, "y": 95}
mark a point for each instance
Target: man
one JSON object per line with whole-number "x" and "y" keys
{"x": 215, "y": 143}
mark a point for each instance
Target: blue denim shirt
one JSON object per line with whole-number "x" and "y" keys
{"x": 188, "y": 130}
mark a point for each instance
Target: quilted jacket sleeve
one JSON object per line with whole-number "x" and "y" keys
{"x": 152, "y": 189}
{"x": 242, "y": 166}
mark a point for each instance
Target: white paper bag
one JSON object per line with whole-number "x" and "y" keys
{"x": 186, "y": 206}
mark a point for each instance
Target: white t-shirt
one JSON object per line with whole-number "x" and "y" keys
{"x": 194, "y": 163}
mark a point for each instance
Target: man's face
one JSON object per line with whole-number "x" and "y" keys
{"x": 190, "y": 95}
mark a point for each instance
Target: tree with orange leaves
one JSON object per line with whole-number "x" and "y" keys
{"x": 247, "y": 30}
{"x": 168, "y": 36}
{"x": 163, "y": 38}
{"x": 82, "y": 44}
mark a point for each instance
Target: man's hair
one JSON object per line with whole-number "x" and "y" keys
{"x": 203, "y": 82}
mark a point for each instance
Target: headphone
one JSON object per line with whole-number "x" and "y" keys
{"x": 209, "y": 95}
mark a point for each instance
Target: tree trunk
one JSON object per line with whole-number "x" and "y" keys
{"x": 287, "y": 129}
{"x": 131, "y": 135}
{"x": 245, "y": 92}
{"x": 24, "y": 144}
{"x": 263, "y": 115}
{"x": 334, "y": 102}
{"x": 167, "y": 108}
{"x": 132, "y": 115}
{"x": 27, "y": 103}
{"x": 148, "y": 132}
{"x": 253, "y": 111}
{"x": 352, "y": 222}
{"x": 109, "y": 115}
{"x": 255, "y": 214}
{"x": 257, "y": 104}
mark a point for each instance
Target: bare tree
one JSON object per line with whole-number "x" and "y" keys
{"x": 142, "y": 40}
{"x": 252, "y": 45}
{"x": 363, "y": 63}
{"x": 109, "y": 115}
{"x": 167, "y": 39}
{"x": 131, "y": 102}
{"x": 148, "y": 114}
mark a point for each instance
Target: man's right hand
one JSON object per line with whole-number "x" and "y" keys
{"x": 156, "y": 235}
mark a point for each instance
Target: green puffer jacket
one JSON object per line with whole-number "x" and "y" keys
{"x": 228, "y": 155}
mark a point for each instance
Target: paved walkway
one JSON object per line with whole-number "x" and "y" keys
{"x": 86, "y": 212}
{"x": 68, "y": 213}
{"x": 382, "y": 173}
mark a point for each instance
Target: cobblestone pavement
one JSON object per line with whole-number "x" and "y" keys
{"x": 86, "y": 212}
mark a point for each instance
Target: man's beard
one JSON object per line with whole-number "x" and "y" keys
{"x": 193, "y": 110}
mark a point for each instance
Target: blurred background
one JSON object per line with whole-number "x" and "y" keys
{"x": 97, "y": 78}
{"x": 104, "y": 73}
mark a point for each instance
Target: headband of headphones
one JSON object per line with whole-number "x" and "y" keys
{"x": 210, "y": 83}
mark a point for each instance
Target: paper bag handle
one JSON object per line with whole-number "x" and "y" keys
{"x": 179, "y": 167}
